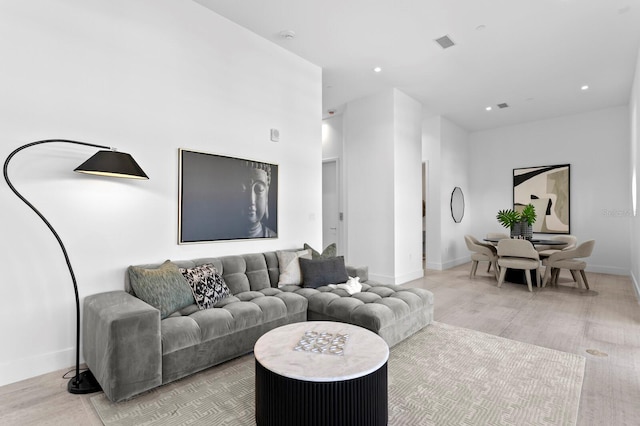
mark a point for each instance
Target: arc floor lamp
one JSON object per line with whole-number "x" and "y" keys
{"x": 106, "y": 162}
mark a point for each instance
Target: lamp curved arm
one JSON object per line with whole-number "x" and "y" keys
{"x": 53, "y": 231}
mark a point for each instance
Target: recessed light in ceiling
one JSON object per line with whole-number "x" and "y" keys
{"x": 445, "y": 42}
{"x": 585, "y": 87}
{"x": 503, "y": 105}
{"x": 488, "y": 108}
{"x": 377, "y": 69}
{"x": 287, "y": 34}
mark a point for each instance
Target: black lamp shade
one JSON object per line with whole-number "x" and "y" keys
{"x": 113, "y": 164}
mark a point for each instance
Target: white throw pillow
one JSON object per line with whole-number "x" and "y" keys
{"x": 290, "y": 266}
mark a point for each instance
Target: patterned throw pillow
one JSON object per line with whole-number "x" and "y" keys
{"x": 163, "y": 288}
{"x": 329, "y": 252}
{"x": 207, "y": 285}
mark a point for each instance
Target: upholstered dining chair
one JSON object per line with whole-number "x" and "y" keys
{"x": 481, "y": 252}
{"x": 568, "y": 259}
{"x": 518, "y": 254}
{"x": 495, "y": 236}
{"x": 569, "y": 240}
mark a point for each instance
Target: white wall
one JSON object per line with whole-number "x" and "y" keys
{"x": 407, "y": 188}
{"x": 455, "y": 170}
{"x": 382, "y": 169}
{"x": 431, "y": 153}
{"x": 369, "y": 133}
{"x": 148, "y": 76}
{"x": 596, "y": 144}
{"x": 445, "y": 148}
{"x": 634, "y": 119}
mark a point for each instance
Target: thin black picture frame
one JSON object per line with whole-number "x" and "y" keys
{"x": 548, "y": 188}
{"x": 214, "y": 198}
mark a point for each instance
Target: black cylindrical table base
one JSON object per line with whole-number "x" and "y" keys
{"x": 282, "y": 401}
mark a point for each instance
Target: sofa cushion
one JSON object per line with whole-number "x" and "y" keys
{"x": 179, "y": 333}
{"x": 164, "y": 287}
{"x": 330, "y": 251}
{"x": 316, "y": 273}
{"x": 256, "y": 271}
{"x": 290, "y": 266}
{"x": 206, "y": 284}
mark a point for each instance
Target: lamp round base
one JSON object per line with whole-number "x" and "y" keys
{"x": 84, "y": 383}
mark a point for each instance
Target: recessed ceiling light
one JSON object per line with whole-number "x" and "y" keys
{"x": 377, "y": 69}
{"x": 585, "y": 87}
{"x": 488, "y": 108}
{"x": 287, "y": 34}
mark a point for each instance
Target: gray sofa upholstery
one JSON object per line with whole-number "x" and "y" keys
{"x": 130, "y": 349}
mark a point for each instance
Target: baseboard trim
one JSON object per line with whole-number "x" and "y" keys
{"x": 636, "y": 286}
{"x": 401, "y": 279}
{"x": 601, "y": 269}
{"x": 26, "y": 368}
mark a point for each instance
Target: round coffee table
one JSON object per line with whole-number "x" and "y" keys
{"x": 321, "y": 373}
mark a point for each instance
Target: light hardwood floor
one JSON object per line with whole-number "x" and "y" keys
{"x": 602, "y": 324}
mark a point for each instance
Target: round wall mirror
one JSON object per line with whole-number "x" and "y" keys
{"x": 457, "y": 205}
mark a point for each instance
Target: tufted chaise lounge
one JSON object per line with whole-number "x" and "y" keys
{"x": 391, "y": 311}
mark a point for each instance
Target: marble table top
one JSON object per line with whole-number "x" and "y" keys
{"x": 364, "y": 352}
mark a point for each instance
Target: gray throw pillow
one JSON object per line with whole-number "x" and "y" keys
{"x": 316, "y": 273}
{"x": 330, "y": 251}
{"x": 164, "y": 288}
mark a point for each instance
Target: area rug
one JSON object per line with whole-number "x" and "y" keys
{"x": 443, "y": 375}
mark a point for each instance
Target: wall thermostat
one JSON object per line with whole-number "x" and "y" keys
{"x": 275, "y": 135}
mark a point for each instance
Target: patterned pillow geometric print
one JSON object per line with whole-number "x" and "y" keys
{"x": 207, "y": 285}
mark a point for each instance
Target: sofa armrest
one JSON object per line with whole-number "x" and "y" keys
{"x": 122, "y": 344}
{"x": 358, "y": 271}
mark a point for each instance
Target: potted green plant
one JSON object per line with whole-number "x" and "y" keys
{"x": 510, "y": 219}
{"x": 527, "y": 218}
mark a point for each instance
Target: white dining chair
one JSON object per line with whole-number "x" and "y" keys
{"x": 481, "y": 252}
{"x": 568, "y": 259}
{"x": 546, "y": 250}
{"x": 518, "y": 254}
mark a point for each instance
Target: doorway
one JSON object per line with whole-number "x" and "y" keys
{"x": 331, "y": 214}
{"x": 425, "y": 174}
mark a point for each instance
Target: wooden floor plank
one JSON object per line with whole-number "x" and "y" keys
{"x": 602, "y": 324}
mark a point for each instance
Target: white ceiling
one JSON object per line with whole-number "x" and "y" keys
{"x": 532, "y": 54}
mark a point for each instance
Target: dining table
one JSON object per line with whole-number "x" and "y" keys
{"x": 534, "y": 241}
{"x": 517, "y": 276}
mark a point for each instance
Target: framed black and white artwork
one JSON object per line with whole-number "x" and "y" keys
{"x": 547, "y": 188}
{"x": 225, "y": 198}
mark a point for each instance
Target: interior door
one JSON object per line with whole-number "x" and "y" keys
{"x": 330, "y": 204}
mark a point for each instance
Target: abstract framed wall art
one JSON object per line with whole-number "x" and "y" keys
{"x": 547, "y": 188}
{"x": 226, "y": 198}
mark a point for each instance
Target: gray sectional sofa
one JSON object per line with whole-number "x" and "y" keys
{"x": 130, "y": 349}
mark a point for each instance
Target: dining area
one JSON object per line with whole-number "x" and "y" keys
{"x": 521, "y": 260}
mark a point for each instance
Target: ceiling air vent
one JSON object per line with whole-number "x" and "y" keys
{"x": 503, "y": 105}
{"x": 445, "y": 42}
